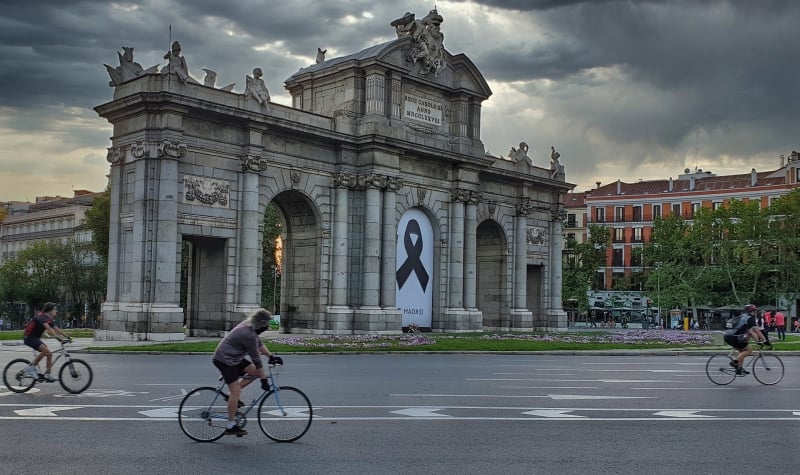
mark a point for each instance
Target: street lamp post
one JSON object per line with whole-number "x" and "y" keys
{"x": 274, "y": 284}
{"x": 658, "y": 292}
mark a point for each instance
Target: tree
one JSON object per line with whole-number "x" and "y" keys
{"x": 98, "y": 218}
{"x": 581, "y": 262}
{"x": 270, "y": 260}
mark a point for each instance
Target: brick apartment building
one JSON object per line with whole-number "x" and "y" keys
{"x": 628, "y": 209}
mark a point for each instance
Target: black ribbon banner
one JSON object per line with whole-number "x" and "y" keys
{"x": 412, "y": 262}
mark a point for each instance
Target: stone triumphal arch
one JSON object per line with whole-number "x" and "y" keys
{"x": 394, "y": 217}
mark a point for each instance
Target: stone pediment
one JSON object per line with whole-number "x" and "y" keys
{"x": 458, "y": 73}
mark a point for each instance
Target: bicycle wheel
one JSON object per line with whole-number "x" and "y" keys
{"x": 285, "y": 415}
{"x": 768, "y": 369}
{"x": 719, "y": 369}
{"x": 75, "y": 376}
{"x": 203, "y": 415}
{"x": 15, "y": 378}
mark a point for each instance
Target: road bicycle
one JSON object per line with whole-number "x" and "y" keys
{"x": 767, "y": 368}
{"x": 75, "y": 375}
{"x": 284, "y": 412}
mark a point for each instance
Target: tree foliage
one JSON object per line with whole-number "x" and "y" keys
{"x": 581, "y": 264}
{"x": 270, "y": 265}
{"x": 734, "y": 254}
{"x": 98, "y": 218}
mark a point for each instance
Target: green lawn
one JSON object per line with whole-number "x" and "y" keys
{"x": 631, "y": 339}
{"x": 74, "y": 333}
{"x": 491, "y": 342}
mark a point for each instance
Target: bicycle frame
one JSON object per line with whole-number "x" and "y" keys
{"x": 273, "y": 386}
{"x": 57, "y": 355}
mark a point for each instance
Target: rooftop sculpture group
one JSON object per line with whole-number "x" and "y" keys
{"x": 176, "y": 66}
{"x": 428, "y": 39}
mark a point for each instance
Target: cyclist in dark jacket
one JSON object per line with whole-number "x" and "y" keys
{"x": 739, "y": 335}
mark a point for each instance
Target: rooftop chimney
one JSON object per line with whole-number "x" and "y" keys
{"x": 691, "y": 183}
{"x": 670, "y": 184}
{"x": 619, "y": 186}
{"x": 753, "y": 177}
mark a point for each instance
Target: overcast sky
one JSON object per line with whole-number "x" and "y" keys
{"x": 622, "y": 89}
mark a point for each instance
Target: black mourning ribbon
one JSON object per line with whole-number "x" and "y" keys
{"x": 412, "y": 262}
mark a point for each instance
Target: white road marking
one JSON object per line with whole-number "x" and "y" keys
{"x": 46, "y": 411}
{"x": 161, "y": 412}
{"x": 421, "y": 412}
{"x": 682, "y": 414}
{"x": 553, "y": 413}
{"x": 170, "y": 398}
{"x": 578, "y": 397}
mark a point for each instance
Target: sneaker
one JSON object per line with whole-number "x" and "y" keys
{"x": 734, "y": 363}
{"x": 742, "y": 371}
{"x": 236, "y": 430}
{"x": 49, "y": 378}
{"x": 30, "y": 372}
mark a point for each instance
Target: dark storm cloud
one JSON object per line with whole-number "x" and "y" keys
{"x": 620, "y": 81}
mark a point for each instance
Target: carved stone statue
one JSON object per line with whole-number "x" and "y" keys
{"x": 428, "y": 41}
{"x": 128, "y": 69}
{"x": 556, "y": 168}
{"x": 256, "y": 89}
{"x": 177, "y": 65}
{"x": 521, "y": 153}
{"x": 321, "y": 55}
{"x": 405, "y": 25}
{"x": 211, "y": 80}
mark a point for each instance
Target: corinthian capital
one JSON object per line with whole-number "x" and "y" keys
{"x": 172, "y": 149}
{"x": 524, "y": 208}
{"x": 253, "y": 163}
{"x": 116, "y": 155}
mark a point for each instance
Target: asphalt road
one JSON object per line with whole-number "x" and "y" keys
{"x": 420, "y": 414}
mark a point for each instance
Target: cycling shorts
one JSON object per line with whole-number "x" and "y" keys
{"x": 33, "y": 342}
{"x": 736, "y": 342}
{"x": 231, "y": 373}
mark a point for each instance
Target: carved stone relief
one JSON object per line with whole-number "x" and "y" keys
{"x": 205, "y": 191}
{"x": 253, "y": 163}
{"x": 536, "y": 235}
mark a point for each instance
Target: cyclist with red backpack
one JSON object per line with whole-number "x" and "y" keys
{"x": 43, "y": 322}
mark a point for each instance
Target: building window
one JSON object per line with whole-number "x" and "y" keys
{"x": 695, "y": 208}
{"x": 637, "y": 234}
{"x": 570, "y": 237}
{"x": 637, "y": 213}
{"x": 676, "y": 209}
{"x": 619, "y": 214}
{"x": 656, "y": 211}
{"x": 617, "y": 258}
{"x": 572, "y": 222}
{"x": 600, "y": 215}
{"x": 619, "y": 234}
{"x": 636, "y": 256}
{"x": 716, "y": 205}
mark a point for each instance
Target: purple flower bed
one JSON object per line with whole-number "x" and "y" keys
{"x": 671, "y": 337}
{"x": 660, "y": 337}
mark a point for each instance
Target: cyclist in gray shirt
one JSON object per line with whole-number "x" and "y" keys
{"x": 230, "y": 359}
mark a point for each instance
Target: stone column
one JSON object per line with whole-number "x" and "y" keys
{"x": 341, "y": 183}
{"x": 556, "y": 261}
{"x": 456, "y": 269}
{"x": 470, "y": 258}
{"x": 376, "y": 93}
{"x": 521, "y": 256}
{"x": 556, "y": 316}
{"x": 389, "y": 258}
{"x": 370, "y": 279}
{"x": 116, "y": 157}
{"x": 249, "y": 252}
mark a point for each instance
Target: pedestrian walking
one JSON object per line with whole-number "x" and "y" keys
{"x": 780, "y": 324}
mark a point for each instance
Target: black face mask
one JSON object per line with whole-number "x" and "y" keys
{"x": 260, "y": 330}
